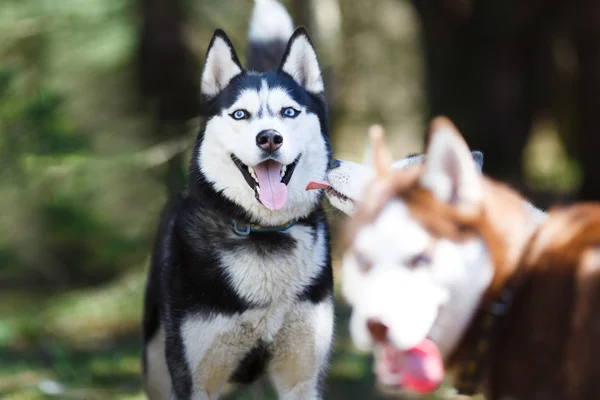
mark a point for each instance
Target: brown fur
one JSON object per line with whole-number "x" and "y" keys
{"x": 544, "y": 348}
{"x": 501, "y": 221}
{"x": 547, "y": 346}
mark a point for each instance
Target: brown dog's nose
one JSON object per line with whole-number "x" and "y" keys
{"x": 377, "y": 329}
{"x": 269, "y": 140}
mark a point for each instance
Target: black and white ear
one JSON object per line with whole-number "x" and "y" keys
{"x": 221, "y": 65}
{"x": 450, "y": 172}
{"x": 300, "y": 62}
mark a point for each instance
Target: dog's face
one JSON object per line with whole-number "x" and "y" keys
{"x": 348, "y": 180}
{"x": 412, "y": 292}
{"x": 266, "y": 135}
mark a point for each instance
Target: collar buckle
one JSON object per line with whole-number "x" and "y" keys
{"x": 500, "y": 307}
{"x": 242, "y": 231}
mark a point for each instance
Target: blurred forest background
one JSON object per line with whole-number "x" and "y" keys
{"x": 99, "y": 109}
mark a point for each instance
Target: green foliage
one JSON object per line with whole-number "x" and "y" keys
{"x": 83, "y": 175}
{"x": 68, "y": 224}
{"x": 69, "y": 234}
{"x": 32, "y": 124}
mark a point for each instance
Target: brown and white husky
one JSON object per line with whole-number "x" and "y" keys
{"x": 446, "y": 268}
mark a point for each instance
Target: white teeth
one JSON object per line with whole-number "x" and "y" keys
{"x": 258, "y": 189}
{"x": 282, "y": 173}
{"x": 252, "y": 173}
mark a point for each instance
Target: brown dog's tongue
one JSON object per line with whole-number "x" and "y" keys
{"x": 314, "y": 185}
{"x": 420, "y": 369}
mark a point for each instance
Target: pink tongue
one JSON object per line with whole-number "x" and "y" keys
{"x": 424, "y": 369}
{"x": 419, "y": 369}
{"x": 313, "y": 185}
{"x": 273, "y": 193}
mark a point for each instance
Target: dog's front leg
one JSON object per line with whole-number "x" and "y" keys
{"x": 301, "y": 351}
{"x": 203, "y": 356}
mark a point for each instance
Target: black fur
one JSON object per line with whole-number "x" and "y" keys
{"x": 253, "y": 365}
{"x": 186, "y": 276}
{"x": 265, "y": 56}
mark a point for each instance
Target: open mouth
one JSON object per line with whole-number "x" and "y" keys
{"x": 419, "y": 370}
{"x": 269, "y": 180}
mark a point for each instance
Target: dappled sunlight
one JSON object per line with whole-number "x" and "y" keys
{"x": 92, "y": 145}
{"x": 95, "y": 315}
{"x": 547, "y": 165}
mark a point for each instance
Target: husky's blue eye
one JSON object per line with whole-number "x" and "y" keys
{"x": 420, "y": 260}
{"x": 240, "y": 114}
{"x": 289, "y": 112}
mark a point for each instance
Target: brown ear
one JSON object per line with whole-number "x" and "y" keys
{"x": 382, "y": 159}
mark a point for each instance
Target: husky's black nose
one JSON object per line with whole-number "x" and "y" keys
{"x": 269, "y": 140}
{"x": 334, "y": 163}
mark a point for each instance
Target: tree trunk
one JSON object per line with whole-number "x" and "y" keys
{"x": 168, "y": 79}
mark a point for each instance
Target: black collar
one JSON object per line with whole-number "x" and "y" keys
{"x": 244, "y": 229}
{"x": 472, "y": 370}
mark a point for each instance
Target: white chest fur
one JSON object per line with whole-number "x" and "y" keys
{"x": 276, "y": 279}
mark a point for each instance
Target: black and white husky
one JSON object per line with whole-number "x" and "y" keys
{"x": 241, "y": 281}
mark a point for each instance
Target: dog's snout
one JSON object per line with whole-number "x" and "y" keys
{"x": 334, "y": 163}
{"x": 377, "y": 329}
{"x": 269, "y": 140}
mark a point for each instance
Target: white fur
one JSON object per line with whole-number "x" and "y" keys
{"x": 207, "y": 342}
{"x": 436, "y": 296}
{"x": 302, "y": 65}
{"x": 158, "y": 381}
{"x": 302, "y": 351}
{"x": 351, "y": 179}
{"x": 298, "y": 333}
{"x": 408, "y": 161}
{"x": 219, "y": 68}
{"x": 269, "y": 21}
{"x": 433, "y": 300}
{"x": 537, "y": 215}
{"x": 218, "y": 343}
{"x": 299, "y": 336}
{"x": 449, "y": 171}
{"x": 301, "y": 136}
{"x": 417, "y": 285}
{"x": 265, "y": 280}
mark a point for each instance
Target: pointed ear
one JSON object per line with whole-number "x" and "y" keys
{"x": 221, "y": 65}
{"x": 300, "y": 62}
{"x": 450, "y": 173}
{"x": 381, "y": 158}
